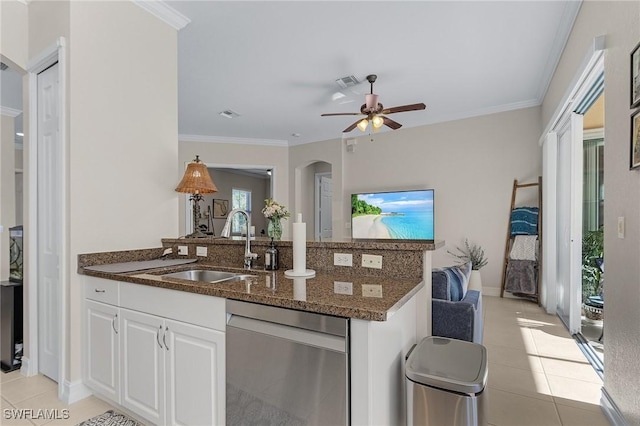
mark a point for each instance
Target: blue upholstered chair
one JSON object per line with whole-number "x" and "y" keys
{"x": 457, "y": 311}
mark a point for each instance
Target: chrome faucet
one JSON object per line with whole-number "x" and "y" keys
{"x": 249, "y": 257}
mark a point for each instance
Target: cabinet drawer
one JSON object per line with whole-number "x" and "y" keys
{"x": 101, "y": 290}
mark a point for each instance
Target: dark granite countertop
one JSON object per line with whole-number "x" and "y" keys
{"x": 371, "y": 298}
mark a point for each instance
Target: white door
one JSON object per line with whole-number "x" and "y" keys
{"x": 49, "y": 219}
{"x": 569, "y": 221}
{"x": 103, "y": 349}
{"x": 143, "y": 357}
{"x": 195, "y": 373}
{"x": 324, "y": 188}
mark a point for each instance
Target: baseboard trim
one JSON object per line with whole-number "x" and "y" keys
{"x": 26, "y": 368}
{"x": 491, "y": 291}
{"x": 611, "y": 410}
{"x": 74, "y": 392}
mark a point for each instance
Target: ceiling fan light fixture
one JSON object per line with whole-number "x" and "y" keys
{"x": 371, "y": 102}
{"x": 362, "y": 124}
{"x": 377, "y": 122}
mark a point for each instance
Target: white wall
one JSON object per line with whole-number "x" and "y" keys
{"x": 7, "y": 190}
{"x": 121, "y": 133}
{"x": 303, "y": 156}
{"x": 233, "y": 154}
{"x": 14, "y": 32}
{"x": 471, "y": 165}
{"x": 620, "y": 23}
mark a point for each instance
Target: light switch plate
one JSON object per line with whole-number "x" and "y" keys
{"x": 201, "y": 251}
{"x": 371, "y": 261}
{"x": 621, "y": 227}
{"x": 183, "y": 250}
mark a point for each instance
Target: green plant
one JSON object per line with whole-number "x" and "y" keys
{"x": 592, "y": 249}
{"x": 473, "y": 253}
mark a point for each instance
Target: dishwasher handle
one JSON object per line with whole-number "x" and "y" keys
{"x": 294, "y": 334}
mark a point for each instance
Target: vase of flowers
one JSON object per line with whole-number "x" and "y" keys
{"x": 274, "y": 212}
{"x": 475, "y": 254}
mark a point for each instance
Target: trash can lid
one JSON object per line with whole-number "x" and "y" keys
{"x": 448, "y": 364}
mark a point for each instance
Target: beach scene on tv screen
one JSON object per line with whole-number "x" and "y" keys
{"x": 406, "y": 215}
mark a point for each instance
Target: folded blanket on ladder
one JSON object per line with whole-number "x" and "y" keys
{"x": 521, "y": 276}
{"x": 524, "y": 220}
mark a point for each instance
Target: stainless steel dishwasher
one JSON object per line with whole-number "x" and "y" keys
{"x": 286, "y": 367}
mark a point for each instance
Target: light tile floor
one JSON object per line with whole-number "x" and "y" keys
{"x": 537, "y": 375}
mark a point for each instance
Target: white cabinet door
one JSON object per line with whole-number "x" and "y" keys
{"x": 195, "y": 373}
{"x": 103, "y": 350}
{"x": 143, "y": 358}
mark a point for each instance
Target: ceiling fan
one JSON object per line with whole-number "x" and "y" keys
{"x": 375, "y": 112}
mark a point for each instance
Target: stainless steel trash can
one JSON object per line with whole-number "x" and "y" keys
{"x": 446, "y": 379}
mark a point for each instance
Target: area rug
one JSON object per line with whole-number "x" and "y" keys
{"x": 110, "y": 418}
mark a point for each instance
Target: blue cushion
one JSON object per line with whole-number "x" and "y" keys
{"x": 458, "y": 278}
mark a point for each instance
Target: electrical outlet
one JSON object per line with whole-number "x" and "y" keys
{"x": 183, "y": 250}
{"x": 342, "y": 259}
{"x": 341, "y": 287}
{"x": 371, "y": 261}
{"x": 371, "y": 290}
{"x": 201, "y": 251}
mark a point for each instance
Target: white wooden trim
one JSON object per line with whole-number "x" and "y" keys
{"x": 164, "y": 12}
{"x": 27, "y": 368}
{"x": 549, "y": 213}
{"x": 569, "y": 15}
{"x": 593, "y": 134}
{"x": 237, "y": 141}
{"x": 611, "y": 410}
{"x": 587, "y": 72}
{"x": 74, "y": 391}
{"x": 56, "y": 53}
{"x": 9, "y": 112}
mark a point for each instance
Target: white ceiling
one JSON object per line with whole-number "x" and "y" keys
{"x": 275, "y": 63}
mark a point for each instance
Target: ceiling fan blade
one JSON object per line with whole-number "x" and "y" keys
{"x": 403, "y": 108}
{"x": 340, "y": 113}
{"x": 350, "y": 128}
{"x": 390, "y": 123}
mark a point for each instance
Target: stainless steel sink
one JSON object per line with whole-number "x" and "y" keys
{"x": 207, "y": 275}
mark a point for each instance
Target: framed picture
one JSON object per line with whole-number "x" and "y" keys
{"x": 220, "y": 208}
{"x": 635, "y": 140}
{"x": 635, "y": 76}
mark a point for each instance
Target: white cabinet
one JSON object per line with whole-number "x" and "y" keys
{"x": 195, "y": 374}
{"x": 159, "y": 353}
{"x": 103, "y": 349}
{"x": 143, "y": 365}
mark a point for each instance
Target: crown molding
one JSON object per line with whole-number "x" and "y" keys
{"x": 164, "y": 12}
{"x": 569, "y": 15}
{"x": 590, "y": 134}
{"x": 11, "y": 112}
{"x": 231, "y": 140}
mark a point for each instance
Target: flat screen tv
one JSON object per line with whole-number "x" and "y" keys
{"x": 395, "y": 215}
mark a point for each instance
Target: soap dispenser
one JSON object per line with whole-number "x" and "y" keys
{"x": 271, "y": 257}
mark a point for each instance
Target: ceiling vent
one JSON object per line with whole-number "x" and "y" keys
{"x": 229, "y": 113}
{"x": 347, "y": 81}
{"x": 3, "y": 66}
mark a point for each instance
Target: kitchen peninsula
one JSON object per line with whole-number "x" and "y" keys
{"x": 183, "y": 322}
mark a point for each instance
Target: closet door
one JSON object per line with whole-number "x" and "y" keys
{"x": 569, "y": 221}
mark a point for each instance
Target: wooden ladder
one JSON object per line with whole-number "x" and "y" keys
{"x": 509, "y": 239}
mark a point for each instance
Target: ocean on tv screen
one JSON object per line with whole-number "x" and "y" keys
{"x": 405, "y": 215}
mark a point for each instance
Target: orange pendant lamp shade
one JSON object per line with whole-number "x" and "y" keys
{"x": 196, "y": 179}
